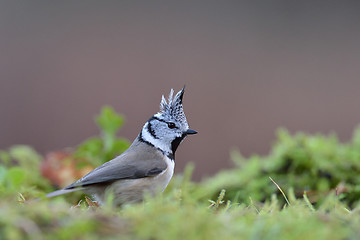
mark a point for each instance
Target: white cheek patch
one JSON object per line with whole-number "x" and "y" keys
{"x": 159, "y": 115}
{"x": 163, "y": 146}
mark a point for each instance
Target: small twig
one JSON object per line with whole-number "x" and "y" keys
{"x": 280, "y": 191}
{"x": 91, "y": 203}
{"x": 308, "y": 203}
{"x": 253, "y": 205}
{"x": 219, "y": 201}
{"x": 21, "y": 198}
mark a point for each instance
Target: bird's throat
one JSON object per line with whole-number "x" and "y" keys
{"x": 176, "y": 142}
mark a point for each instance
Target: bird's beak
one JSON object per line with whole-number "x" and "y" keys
{"x": 190, "y": 132}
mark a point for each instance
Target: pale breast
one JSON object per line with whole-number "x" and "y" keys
{"x": 132, "y": 190}
{"x": 163, "y": 179}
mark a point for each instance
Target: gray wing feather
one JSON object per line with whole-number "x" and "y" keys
{"x": 125, "y": 166}
{"x": 62, "y": 191}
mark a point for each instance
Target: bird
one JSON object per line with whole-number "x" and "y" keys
{"x": 147, "y": 166}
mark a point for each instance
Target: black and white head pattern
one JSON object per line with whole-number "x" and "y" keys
{"x": 166, "y": 129}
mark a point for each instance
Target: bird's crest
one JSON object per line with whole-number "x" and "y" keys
{"x": 173, "y": 107}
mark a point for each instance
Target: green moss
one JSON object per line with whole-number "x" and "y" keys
{"x": 316, "y": 174}
{"x": 317, "y": 164}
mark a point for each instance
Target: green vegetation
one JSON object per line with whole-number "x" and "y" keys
{"x": 99, "y": 150}
{"x": 313, "y": 193}
{"x": 317, "y": 164}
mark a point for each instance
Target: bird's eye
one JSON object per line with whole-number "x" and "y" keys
{"x": 171, "y": 125}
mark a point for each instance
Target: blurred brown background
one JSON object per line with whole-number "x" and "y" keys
{"x": 249, "y": 67}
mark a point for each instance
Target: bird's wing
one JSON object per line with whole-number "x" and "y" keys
{"x": 61, "y": 192}
{"x": 125, "y": 166}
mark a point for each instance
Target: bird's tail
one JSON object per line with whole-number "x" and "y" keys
{"x": 61, "y": 192}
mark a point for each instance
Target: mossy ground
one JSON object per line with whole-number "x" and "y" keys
{"x": 176, "y": 215}
{"x": 313, "y": 193}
